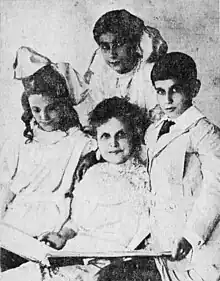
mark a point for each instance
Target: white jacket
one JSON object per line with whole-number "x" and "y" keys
{"x": 184, "y": 167}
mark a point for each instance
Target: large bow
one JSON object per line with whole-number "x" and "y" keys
{"x": 28, "y": 61}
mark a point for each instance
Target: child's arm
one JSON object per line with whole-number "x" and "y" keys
{"x": 9, "y": 156}
{"x": 57, "y": 240}
{"x": 80, "y": 203}
{"x": 6, "y": 196}
{"x": 206, "y": 211}
{"x": 181, "y": 249}
{"x": 205, "y": 214}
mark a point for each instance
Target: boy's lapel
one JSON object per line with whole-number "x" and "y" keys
{"x": 188, "y": 119}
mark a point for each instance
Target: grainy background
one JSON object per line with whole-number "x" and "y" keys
{"x": 62, "y": 30}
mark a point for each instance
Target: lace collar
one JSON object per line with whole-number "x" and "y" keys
{"x": 132, "y": 170}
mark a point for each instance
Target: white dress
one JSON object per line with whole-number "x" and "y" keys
{"x": 39, "y": 174}
{"x": 111, "y": 207}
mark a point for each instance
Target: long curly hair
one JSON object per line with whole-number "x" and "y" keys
{"x": 47, "y": 81}
{"x": 131, "y": 115}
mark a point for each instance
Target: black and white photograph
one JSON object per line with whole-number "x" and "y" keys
{"x": 110, "y": 140}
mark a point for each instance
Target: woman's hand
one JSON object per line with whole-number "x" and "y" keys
{"x": 181, "y": 249}
{"x": 54, "y": 240}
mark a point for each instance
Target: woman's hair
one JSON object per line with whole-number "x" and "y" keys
{"x": 47, "y": 81}
{"x": 130, "y": 28}
{"x": 132, "y": 116}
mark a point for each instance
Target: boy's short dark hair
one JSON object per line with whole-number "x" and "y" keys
{"x": 174, "y": 65}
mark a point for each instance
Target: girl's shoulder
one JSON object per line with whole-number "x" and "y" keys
{"x": 77, "y": 135}
{"x": 12, "y": 142}
{"x": 85, "y": 141}
{"x": 93, "y": 180}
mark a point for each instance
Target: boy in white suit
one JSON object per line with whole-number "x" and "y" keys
{"x": 184, "y": 168}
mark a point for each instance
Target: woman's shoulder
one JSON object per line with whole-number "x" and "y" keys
{"x": 93, "y": 180}
{"x": 98, "y": 170}
{"x": 97, "y": 175}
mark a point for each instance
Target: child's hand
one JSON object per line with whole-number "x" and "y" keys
{"x": 181, "y": 249}
{"x": 54, "y": 240}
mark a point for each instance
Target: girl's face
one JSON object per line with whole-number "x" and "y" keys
{"x": 117, "y": 53}
{"x": 47, "y": 112}
{"x": 114, "y": 142}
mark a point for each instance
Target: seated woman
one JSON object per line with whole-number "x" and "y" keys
{"x": 37, "y": 170}
{"x": 110, "y": 207}
{"x": 122, "y": 64}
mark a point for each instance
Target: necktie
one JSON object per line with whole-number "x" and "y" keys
{"x": 165, "y": 128}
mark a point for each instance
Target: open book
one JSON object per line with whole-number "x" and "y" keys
{"x": 18, "y": 242}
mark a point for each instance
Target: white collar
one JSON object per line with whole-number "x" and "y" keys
{"x": 48, "y": 138}
{"x": 188, "y": 117}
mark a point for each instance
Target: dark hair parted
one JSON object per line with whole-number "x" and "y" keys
{"x": 121, "y": 23}
{"x": 132, "y": 116}
{"x": 130, "y": 28}
{"x": 175, "y": 65}
{"x": 47, "y": 81}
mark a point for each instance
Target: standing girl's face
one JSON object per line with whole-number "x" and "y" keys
{"x": 47, "y": 112}
{"x": 117, "y": 53}
{"x": 114, "y": 142}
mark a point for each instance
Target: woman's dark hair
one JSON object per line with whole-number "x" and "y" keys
{"x": 47, "y": 81}
{"x": 132, "y": 116}
{"x": 121, "y": 23}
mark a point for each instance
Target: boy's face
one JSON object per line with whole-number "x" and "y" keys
{"x": 173, "y": 97}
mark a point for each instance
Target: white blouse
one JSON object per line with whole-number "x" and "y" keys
{"x": 39, "y": 174}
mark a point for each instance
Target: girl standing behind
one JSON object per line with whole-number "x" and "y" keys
{"x": 122, "y": 64}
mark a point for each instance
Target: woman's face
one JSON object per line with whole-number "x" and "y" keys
{"x": 117, "y": 53}
{"x": 47, "y": 112}
{"x": 114, "y": 142}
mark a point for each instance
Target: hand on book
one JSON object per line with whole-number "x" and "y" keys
{"x": 54, "y": 240}
{"x": 181, "y": 249}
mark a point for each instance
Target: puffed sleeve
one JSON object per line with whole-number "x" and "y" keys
{"x": 8, "y": 165}
{"x": 9, "y": 156}
{"x": 78, "y": 89}
{"x": 205, "y": 215}
{"x": 94, "y": 77}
